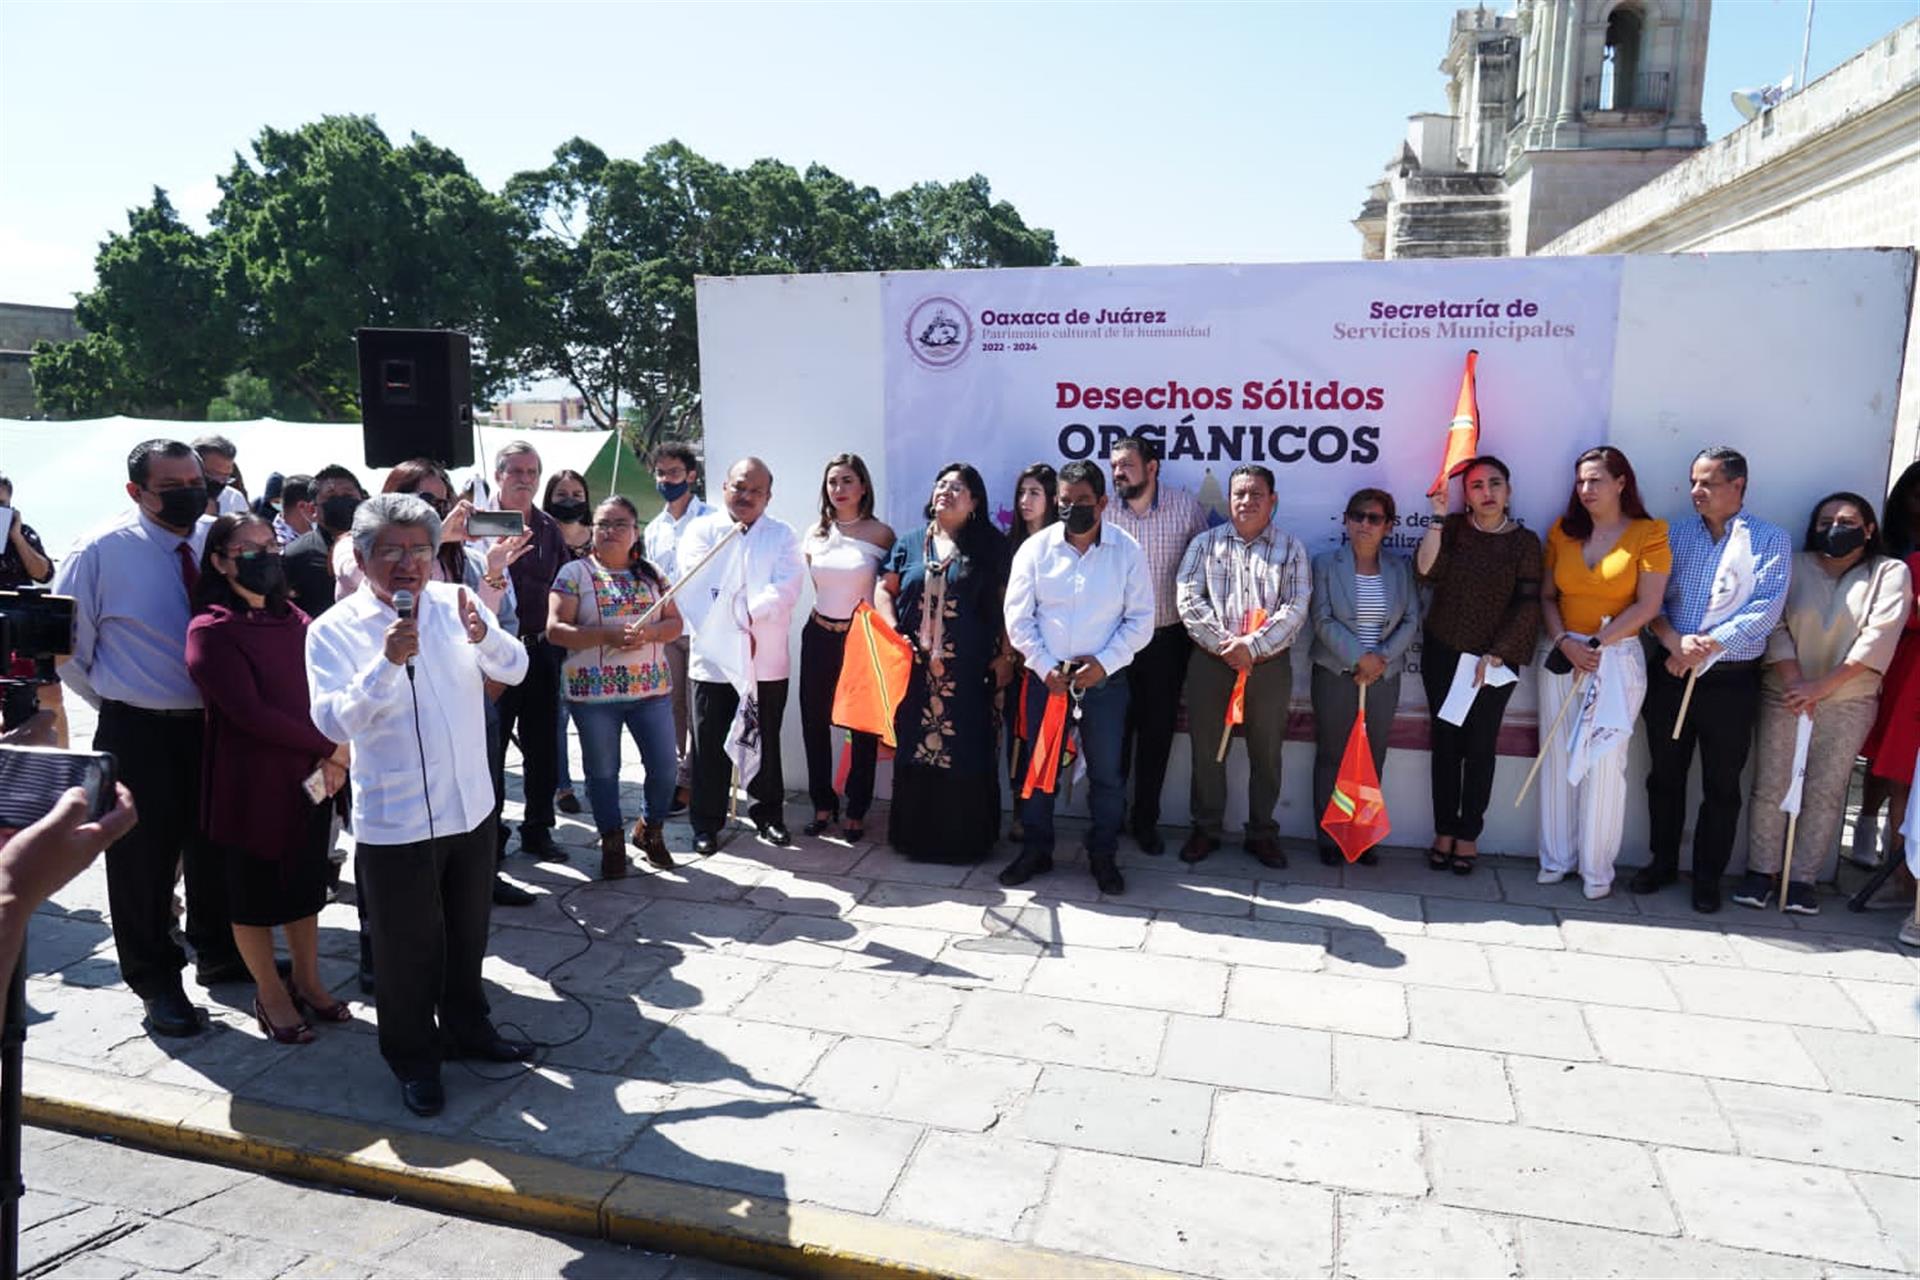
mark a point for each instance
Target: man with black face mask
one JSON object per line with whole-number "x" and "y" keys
{"x": 131, "y": 584}
{"x": 1728, "y": 586}
{"x": 219, "y": 463}
{"x": 309, "y": 557}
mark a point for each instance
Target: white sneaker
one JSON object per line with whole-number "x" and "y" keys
{"x": 1595, "y": 892}
{"x": 1549, "y": 877}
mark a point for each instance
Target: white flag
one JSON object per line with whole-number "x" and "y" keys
{"x": 1802, "y": 739}
{"x": 726, "y": 641}
{"x": 1733, "y": 584}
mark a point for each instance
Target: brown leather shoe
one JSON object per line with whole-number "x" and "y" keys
{"x": 1267, "y": 849}
{"x": 1198, "y": 846}
{"x": 613, "y": 855}
{"x": 651, "y": 838}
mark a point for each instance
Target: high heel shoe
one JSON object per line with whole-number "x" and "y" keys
{"x": 298, "y": 1033}
{"x": 338, "y": 1011}
{"x": 853, "y": 832}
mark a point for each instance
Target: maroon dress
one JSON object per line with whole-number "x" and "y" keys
{"x": 1895, "y": 740}
{"x": 260, "y": 745}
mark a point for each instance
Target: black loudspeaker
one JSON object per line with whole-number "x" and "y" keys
{"x": 416, "y": 396}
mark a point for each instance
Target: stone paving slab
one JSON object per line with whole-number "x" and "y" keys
{"x": 1230, "y": 1070}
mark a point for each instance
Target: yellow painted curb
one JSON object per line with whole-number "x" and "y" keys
{"x": 491, "y": 1182}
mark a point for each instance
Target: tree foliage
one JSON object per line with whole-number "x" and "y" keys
{"x": 583, "y": 270}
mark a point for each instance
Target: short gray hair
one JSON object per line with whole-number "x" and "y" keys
{"x": 377, "y": 513}
{"x": 513, "y": 449}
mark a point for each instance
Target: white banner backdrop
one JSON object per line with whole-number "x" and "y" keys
{"x": 1333, "y": 377}
{"x": 70, "y": 477}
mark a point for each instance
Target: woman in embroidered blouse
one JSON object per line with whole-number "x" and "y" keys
{"x": 942, "y": 590}
{"x": 1365, "y": 617}
{"x": 1607, "y": 564}
{"x": 615, "y": 677}
{"x": 843, "y": 553}
{"x": 1846, "y": 604}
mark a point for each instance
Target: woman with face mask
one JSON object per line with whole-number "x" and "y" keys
{"x": 1846, "y": 604}
{"x": 246, "y": 652}
{"x": 570, "y": 503}
{"x": 1036, "y": 493}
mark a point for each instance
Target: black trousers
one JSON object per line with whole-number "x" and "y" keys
{"x": 820, "y": 653}
{"x": 1720, "y": 720}
{"x": 1463, "y": 756}
{"x": 532, "y": 707}
{"x": 427, "y": 908}
{"x": 714, "y": 703}
{"x": 1155, "y": 678}
{"x": 158, "y": 757}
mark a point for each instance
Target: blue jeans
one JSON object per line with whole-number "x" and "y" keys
{"x": 1103, "y": 722}
{"x": 562, "y": 768}
{"x": 650, "y": 721}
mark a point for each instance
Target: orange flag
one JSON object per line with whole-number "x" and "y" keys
{"x": 1356, "y": 816}
{"x": 873, "y": 675}
{"x": 1237, "y": 700}
{"x": 1043, "y": 760}
{"x": 1463, "y": 433}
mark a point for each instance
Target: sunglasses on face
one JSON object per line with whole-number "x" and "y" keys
{"x": 1367, "y": 517}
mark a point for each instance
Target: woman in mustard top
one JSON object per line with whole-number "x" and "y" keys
{"x": 1607, "y": 563}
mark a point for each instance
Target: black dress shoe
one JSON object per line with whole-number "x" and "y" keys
{"x": 1651, "y": 879}
{"x": 567, "y": 802}
{"x": 706, "y": 843}
{"x": 423, "y": 1097}
{"x": 1148, "y": 838}
{"x": 1368, "y": 858}
{"x": 774, "y": 833}
{"x": 1106, "y": 875}
{"x": 508, "y": 894}
{"x": 539, "y": 845}
{"x": 1025, "y": 867}
{"x": 1267, "y": 852}
{"x": 233, "y": 969}
{"x": 1706, "y": 898}
{"x": 173, "y": 1015}
{"x": 1331, "y": 857}
{"x": 497, "y": 1048}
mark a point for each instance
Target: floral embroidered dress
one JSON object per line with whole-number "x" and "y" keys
{"x": 603, "y": 674}
{"x": 946, "y": 785}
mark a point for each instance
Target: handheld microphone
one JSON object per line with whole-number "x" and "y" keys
{"x": 403, "y": 605}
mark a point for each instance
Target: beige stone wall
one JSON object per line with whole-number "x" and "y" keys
{"x": 1552, "y": 191}
{"x": 1836, "y": 166}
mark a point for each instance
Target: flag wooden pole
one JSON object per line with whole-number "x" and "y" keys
{"x": 1547, "y": 737}
{"x": 1686, "y": 700}
{"x": 1226, "y": 739}
{"x": 692, "y": 573}
{"x": 1786, "y": 867}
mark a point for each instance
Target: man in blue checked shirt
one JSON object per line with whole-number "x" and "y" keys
{"x": 1728, "y": 586}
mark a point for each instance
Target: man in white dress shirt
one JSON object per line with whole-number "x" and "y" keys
{"x": 407, "y": 695}
{"x": 1079, "y": 607}
{"x": 676, "y": 472}
{"x": 131, "y": 584}
{"x": 763, "y": 566}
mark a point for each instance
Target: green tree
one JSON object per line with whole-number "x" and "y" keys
{"x": 160, "y": 333}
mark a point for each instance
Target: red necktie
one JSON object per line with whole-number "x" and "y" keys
{"x": 189, "y": 571}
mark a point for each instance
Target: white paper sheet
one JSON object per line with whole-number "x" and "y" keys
{"x": 1461, "y": 694}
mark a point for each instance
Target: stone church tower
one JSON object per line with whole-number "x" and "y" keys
{"x": 1554, "y": 112}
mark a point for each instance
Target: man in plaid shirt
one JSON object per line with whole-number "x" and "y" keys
{"x": 1726, "y": 694}
{"x": 1231, "y": 575}
{"x": 1163, "y": 520}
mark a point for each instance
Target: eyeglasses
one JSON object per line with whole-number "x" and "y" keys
{"x": 1367, "y": 517}
{"x": 950, "y": 486}
{"x": 613, "y": 526}
{"x": 254, "y": 553}
{"x": 394, "y": 555}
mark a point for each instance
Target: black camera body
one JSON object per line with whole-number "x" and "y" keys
{"x": 36, "y": 626}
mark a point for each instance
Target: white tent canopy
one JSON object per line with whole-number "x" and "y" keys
{"x": 70, "y": 477}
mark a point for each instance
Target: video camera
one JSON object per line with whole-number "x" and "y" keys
{"x": 35, "y": 628}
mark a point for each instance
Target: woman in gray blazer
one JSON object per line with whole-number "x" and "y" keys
{"x": 1365, "y": 618}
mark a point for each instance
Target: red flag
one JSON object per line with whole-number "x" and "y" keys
{"x": 1237, "y": 700}
{"x": 1043, "y": 758}
{"x": 1463, "y": 433}
{"x": 1356, "y": 815}
{"x": 873, "y": 675}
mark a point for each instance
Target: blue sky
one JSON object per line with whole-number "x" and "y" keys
{"x": 1139, "y": 133}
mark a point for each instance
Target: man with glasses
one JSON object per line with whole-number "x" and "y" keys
{"x": 1163, "y": 520}
{"x": 757, "y": 575}
{"x": 131, "y": 585}
{"x": 1244, "y": 588}
{"x": 676, "y": 473}
{"x": 406, "y": 694}
{"x": 1079, "y": 608}
{"x": 533, "y": 705}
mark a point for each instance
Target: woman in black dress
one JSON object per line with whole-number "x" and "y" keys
{"x": 942, "y": 589}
